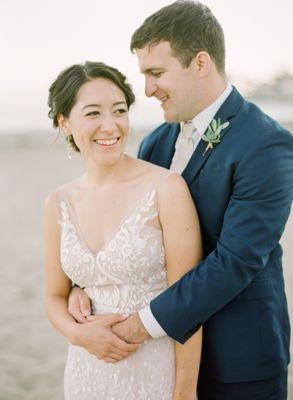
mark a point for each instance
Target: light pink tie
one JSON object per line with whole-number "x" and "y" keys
{"x": 184, "y": 148}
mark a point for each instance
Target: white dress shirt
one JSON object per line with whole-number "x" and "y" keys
{"x": 201, "y": 123}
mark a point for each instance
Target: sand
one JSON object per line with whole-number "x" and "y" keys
{"x": 32, "y": 353}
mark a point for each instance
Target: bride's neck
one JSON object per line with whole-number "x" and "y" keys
{"x": 99, "y": 175}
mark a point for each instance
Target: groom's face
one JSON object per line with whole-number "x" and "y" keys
{"x": 175, "y": 86}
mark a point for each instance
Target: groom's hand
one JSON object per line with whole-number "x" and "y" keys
{"x": 79, "y": 305}
{"x": 98, "y": 339}
{"x": 131, "y": 330}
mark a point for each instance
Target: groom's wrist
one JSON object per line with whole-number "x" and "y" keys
{"x": 139, "y": 333}
{"x": 150, "y": 323}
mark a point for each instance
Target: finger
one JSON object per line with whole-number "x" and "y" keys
{"x": 85, "y": 305}
{"x": 109, "y": 360}
{"x": 74, "y": 310}
{"x": 113, "y": 319}
{"x": 116, "y": 353}
{"x": 77, "y": 315}
{"x": 116, "y": 357}
{"x": 91, "y": 318}
{"x": 123, "y": 346}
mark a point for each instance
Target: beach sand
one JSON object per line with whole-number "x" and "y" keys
{"x": 32, "y": 353}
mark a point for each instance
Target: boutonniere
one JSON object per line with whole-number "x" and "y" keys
{"x": 213, "y": 134}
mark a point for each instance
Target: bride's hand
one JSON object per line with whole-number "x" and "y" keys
{"x": 98, "y": 339}
{"x": 79, "y": 304}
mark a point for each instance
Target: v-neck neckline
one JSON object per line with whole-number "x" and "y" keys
{"x": 74, "y": 221}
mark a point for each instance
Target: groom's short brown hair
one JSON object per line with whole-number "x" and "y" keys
{"x": 189, "y": 27}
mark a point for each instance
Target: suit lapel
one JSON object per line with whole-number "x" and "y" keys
{"x": 165, "y": 149}
{"x": 226, "y": 112}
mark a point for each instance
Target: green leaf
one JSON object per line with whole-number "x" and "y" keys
{"x": 225, "y": 125}
{"x": 214, "y": 124}
{"x": 212, "y": 135}
{"x": 219, "y": 129}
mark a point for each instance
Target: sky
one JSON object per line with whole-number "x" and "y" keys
{"x": 39, "y": 38}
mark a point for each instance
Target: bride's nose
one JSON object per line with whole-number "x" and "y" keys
{"x": 108, "y": 123}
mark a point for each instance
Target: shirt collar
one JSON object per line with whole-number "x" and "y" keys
{"x": 202, "y": 120}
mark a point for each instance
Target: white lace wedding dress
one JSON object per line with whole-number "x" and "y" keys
{"x": 122, "y": 277}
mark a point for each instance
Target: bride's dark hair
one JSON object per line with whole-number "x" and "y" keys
{"x": 64, "y": 90}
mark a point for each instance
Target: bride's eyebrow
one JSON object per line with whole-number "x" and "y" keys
{"x": 99, "y": 105}
{"x": 91, "y": 105}
{"x": 123, "y": 103}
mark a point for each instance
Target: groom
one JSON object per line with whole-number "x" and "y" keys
{"x": 238, "y": 164}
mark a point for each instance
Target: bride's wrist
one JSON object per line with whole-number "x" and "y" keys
{"x": 74, "y": 333}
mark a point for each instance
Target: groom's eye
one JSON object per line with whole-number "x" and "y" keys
{"x": 157, "y": 74}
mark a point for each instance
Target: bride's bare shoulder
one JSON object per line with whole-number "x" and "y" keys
{"x": 148, "y": 168}
{"x": 68, "y": 188}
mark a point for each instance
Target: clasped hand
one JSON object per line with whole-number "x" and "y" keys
{"x": 111, "y": 338}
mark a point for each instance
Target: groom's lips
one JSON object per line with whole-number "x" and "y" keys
{"x": 163, "y": 99}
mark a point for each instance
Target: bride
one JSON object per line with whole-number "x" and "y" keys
{"x": 123, "y": 231}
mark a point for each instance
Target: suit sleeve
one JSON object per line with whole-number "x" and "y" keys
{"x": 253, "y": 224}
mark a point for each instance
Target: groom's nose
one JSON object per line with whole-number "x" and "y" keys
{"x": 150, "y": 86}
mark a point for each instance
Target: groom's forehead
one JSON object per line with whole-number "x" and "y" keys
{"x": 153, "y": 56}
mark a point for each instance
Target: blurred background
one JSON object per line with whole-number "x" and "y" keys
{"x": 37, "y": 40}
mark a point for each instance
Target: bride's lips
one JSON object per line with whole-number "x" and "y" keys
{"x": 106, "y": 143}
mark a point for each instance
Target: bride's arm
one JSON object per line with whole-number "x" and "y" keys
{"x": 96, "y": 337}
{"x": 57, "y": 284}
{"x": 183, "y": 247}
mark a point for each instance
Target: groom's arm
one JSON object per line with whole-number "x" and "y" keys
{"x": 253, "y": 224}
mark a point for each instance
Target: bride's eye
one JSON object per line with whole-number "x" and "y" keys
{"x": 92, "y": 113}
{"x": 121, "y": 111}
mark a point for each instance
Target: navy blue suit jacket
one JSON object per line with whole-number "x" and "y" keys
{"x": 242, "y": 189}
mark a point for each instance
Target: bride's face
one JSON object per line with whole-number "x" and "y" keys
{"x": 99, "y": 121}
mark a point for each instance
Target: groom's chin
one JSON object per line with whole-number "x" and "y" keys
{"x": 170, "y": 117}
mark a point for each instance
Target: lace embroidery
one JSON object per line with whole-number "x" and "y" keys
{"x": 123, "y": 277}
{"x": 129, "y": 270}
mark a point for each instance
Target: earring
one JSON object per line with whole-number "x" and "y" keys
{"x": 69, "y": 147}
{"x": 69, "y": 151}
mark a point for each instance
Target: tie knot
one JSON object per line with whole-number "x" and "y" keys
{"x": 187, "y": 130}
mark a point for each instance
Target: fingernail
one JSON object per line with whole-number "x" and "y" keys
{"x": 86, "y": 313}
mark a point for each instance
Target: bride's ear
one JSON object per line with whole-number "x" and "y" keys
{"x": 63, "y": 124}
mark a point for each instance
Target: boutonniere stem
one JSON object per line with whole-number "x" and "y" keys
{"x": 213, "y": 135}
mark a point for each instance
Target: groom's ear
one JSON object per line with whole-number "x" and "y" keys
{"x": 202, "y": 62}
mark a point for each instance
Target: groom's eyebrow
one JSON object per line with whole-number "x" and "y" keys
{"x": 150, "y": 70}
